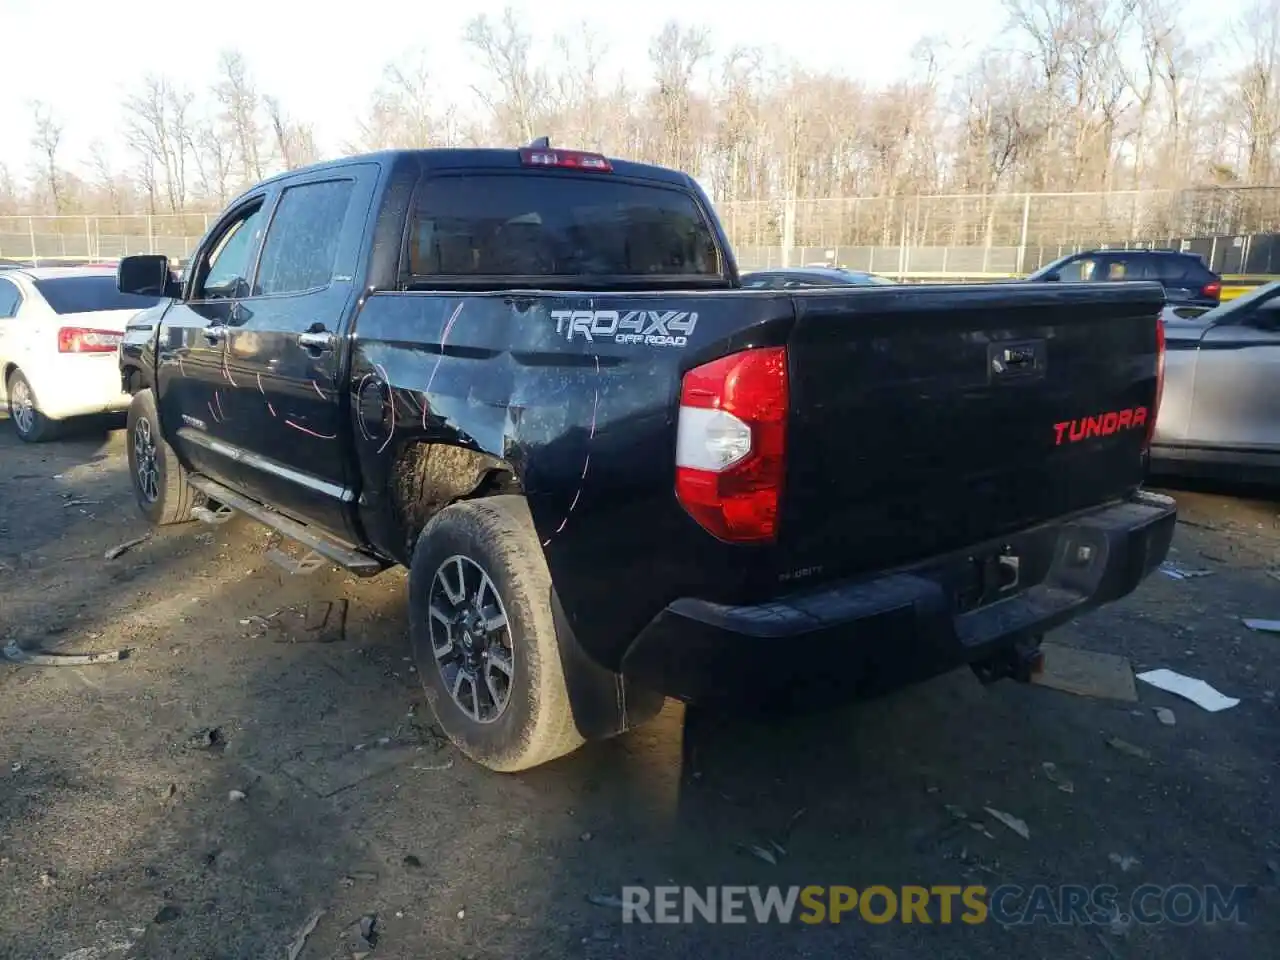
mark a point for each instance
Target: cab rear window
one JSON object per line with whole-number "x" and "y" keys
{"x": 553, "y": 226}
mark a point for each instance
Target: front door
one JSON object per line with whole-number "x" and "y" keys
{"x": 286, "y": 349}
{"x": 192, "y": 379}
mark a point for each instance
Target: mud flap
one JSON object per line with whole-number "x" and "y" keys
{"x": 604, "y": 703}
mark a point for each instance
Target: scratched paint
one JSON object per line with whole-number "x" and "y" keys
{"x": 586, "y": 460}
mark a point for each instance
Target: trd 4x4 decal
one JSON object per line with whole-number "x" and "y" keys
{"x": 650, "y": 328}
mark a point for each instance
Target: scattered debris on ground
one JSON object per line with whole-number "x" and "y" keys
{"x": 210, "y": 738}
{"x": 1189, "y": 688}
{"x": 607, "y": 900}
{"x": 760, "y": 853}
{"x": 15, "y": 654}
{"x": 1124, "y": 746}
{"x": 1263, "y": 626}
{"x": 1175, "y": 571}
{"x": 1013, "y": 823}
{"x": 1124, "y": 863}
{"x": 123, "y": 548}
{"x": 1165, "y": 716}
{"x": 300, "y": 938}
{"x": 1056, "y": 778}
{"x": 1086, "y": 673}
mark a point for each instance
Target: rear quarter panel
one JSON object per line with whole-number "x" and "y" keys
{"x": 578, "y": 395}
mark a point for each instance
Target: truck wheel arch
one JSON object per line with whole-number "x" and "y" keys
{"x": 426, "y": 478}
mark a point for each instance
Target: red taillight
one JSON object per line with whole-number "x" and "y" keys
{"x": 573, "y": 159}
{"x": 1155, "y": 407}
{"x": 82, "y": 340}
{"x": 731, "y": 444}
{"x": 1213, "y": 290}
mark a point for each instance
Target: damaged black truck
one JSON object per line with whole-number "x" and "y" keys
{"x": 530, "y": 376}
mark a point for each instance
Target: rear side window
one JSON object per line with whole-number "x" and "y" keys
{"x": 1182, "y": 270}
{"x": 302, "y": 242}
{"x": 10, "y": 298}
{"x": 1128, "y": 267}
{"x": 557, "y": 226}
{"x": 89, "y": 295}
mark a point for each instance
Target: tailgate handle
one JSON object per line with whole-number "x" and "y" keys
{"x": 1008, "y": 360}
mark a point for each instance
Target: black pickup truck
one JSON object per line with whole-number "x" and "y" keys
{"x": 531, "y": 377}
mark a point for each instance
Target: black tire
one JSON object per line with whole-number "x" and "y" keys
{"x": 496, "y": 537}
{"x": 165, "y": 498}
{"x": 29, "y": 423}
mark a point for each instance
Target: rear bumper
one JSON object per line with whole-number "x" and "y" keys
{"x": 74, "y": 385}
{"x": 890, "y": 630}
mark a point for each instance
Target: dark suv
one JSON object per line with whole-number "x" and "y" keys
{"x": 1185, "y": 277}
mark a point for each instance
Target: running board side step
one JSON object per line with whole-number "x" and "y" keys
{"x": 319, "y": 543}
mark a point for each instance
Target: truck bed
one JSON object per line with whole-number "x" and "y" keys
{"x": 920, "y": 420}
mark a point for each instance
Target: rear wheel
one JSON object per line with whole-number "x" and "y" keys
{"x": 484, "y": 636}
{"x": 159, "y": 480}
{"x": 31, "y": 425}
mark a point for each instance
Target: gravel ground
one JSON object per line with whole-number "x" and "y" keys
{"x": 128, "y": 829}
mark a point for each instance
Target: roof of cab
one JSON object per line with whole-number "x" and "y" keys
{"x": 483, "y": 158}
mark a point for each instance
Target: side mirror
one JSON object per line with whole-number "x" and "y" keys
{"x": 146, "y": 274}
{"x": 1052, "y": 277}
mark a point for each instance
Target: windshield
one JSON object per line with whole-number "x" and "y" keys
{"x": 558, "y": 227}
{"x": 1231, "y": 306}
{"x": 89, "y": 295}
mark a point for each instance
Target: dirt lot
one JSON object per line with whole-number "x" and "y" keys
{"x": 120, "y": 836}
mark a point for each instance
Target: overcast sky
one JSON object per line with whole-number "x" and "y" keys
{"x": 322, "y": 60}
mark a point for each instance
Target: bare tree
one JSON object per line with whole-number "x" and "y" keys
{"x": 239, "y": 99}
{"x": 677, "y": 54}
{"x": 294, "y": 141}
{"x": 1076, "y": 95}
{"x": 215, "y": 159}
{"x": 579, "y": 94}
{"x": 105, "y": 176}
{"x": 404, "y": 109}
{"x": 519, "y": 102}
{"x": 10, "y": 201}
{"x": 158, "y": 128}
{"x": 46, "y": 141}
{"x": 1256, "y": 97}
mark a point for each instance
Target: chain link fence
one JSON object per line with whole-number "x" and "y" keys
{"x": 100, "y": 238}
{"x": 905, "y": 236}
{"x": 973, "y": 235}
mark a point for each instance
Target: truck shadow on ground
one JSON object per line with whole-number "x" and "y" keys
{"x": 119, "y": 825}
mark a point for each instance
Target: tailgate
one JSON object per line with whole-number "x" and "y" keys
{"x": 929, "y": 419}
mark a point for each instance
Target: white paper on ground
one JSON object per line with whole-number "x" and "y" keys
{"x": 1197, "y": 691}
{"x": 1266, "y": 626}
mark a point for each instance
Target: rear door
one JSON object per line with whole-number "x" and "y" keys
{"x": 286, "y": 348}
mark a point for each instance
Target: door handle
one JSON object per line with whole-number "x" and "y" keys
{"x": 215, "y": 332}
{"x": 316, "y": 339}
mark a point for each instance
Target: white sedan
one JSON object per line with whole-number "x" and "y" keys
{"x": 59, "y": 328}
